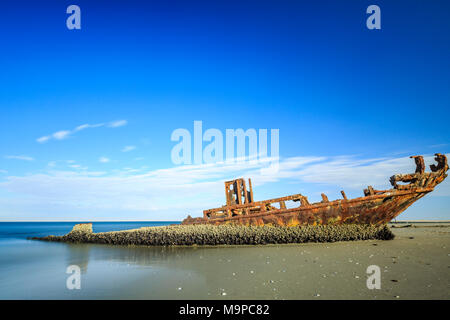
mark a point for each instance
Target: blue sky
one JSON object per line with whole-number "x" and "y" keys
{"x": 355, "y": 101}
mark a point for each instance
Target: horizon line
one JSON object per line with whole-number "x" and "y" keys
{"x": 92, "y": 221}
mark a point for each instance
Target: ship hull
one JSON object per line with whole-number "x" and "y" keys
{"x": 376, "y": 209}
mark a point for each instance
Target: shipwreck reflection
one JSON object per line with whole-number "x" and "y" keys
{"x": 78, "y": 254}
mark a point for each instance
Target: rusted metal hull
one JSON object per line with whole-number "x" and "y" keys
{"x": 376, "y": 207}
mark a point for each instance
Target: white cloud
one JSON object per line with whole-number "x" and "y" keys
{"x": 86, "y": 126}
{"x": 3, "y": 171}
{"x": 128, "y": 148}
{"x": 64, "y": 134}
{"x": 104, "y": 160}
{"x": 60, "y": 135}
{"x": 81, "y": 127}
{"x": 25, "y": 158}
{"x": 118, "y": 123}
{"x": 43, "y": 139}
{"x": 183, "y": 190}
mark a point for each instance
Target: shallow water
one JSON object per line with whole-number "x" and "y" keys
{"x": 31, "y": 269}
{"x": 413, "y": 266}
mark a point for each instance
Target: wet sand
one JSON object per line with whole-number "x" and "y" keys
{"x": 415, "y": 265}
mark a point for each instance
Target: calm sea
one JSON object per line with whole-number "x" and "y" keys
{"x": 31, "y": 269}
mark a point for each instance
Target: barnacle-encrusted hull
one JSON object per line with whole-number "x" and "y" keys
{"x": 223, "y": 235}
{"x": 376, "y": 207}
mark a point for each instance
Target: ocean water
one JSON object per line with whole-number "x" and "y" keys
{"x": 31, "y": 269}
{"x": 22, "y": 230}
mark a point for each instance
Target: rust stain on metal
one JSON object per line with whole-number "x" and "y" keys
{"x": 376, "y": 207}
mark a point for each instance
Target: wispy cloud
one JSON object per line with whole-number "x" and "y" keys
{"x": 104, "y": 159}
{"x": 440, "y": 145}
{"x": 128, "y": 148}
{"x": 25, "y": 158}
{"x": 3, "y": 171}
{"x": 64, "y": 134}
{"x": 87, "y": 126}
{"x": 43, "y": 139}
{"x": 177, "y": 191}
{"x": 118, "y": 123}
{"x": 60, "y": 135}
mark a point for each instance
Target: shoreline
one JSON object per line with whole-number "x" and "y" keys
{"x": 413, "y": 266}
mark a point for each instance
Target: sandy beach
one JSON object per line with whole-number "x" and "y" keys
{"x": 415, "y": 265}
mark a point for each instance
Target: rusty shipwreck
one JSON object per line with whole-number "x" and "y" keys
{"x": 376, "y": 207}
